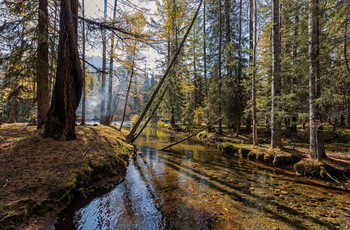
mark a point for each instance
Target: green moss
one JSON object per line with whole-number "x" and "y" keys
{"x": 309, "y": 168}
{"x": 280, "y": 160}
{"x": 244, "y": 152}
{"x": 228, "y": 147}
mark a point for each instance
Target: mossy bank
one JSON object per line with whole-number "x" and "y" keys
{"x": 39, "y": 176}
{"x": 334, "y": 169}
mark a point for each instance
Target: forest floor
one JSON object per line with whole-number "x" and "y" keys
{"x": 293, "y": 156}
{"x": 38, "y": 176}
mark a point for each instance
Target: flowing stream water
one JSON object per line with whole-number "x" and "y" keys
{"x": 194, "y": 186}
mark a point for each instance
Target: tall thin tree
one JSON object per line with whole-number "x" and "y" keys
{"x": 110, "y": 80}
{"x": 219, "y": 70}
{"x": 83, "y": 107}
{"x": 276, "y": 80}
{"x": 316, "y": 130}
{"x": 239, "y": 71}
{"x": 103, "y": 77}
{"x": 252, "y": 62}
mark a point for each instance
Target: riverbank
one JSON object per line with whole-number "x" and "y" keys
{"x": 294, "y": 156}
{"x": 40, "y": 176}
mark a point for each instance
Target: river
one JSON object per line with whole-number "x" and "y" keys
{"x": 194, "y": 186}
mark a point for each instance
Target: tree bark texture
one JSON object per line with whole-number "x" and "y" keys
{"x": 276, "y": 79}
{"x": 316, "y": 131}
{"x": 67, "y": 91}
{"x": 43, "y": 64}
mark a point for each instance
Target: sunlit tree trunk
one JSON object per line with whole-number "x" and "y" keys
{"x": 43, "y": 64}
{"x": 276, "y": 80}
{"x": 67, "y": 92}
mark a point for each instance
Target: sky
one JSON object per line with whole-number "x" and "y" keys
{"x": 94, "y": 9}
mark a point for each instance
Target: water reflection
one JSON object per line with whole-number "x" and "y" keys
{"x": 129, "y": 206}
{"x": 195, "y": 187}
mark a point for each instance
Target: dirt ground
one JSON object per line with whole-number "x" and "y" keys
{"x": 34, "y": 170}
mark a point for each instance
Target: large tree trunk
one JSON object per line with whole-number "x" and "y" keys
{"x": 219, "y": 75}
{"x": 83, "y": 107}
{"x": 316, "y": 130}
{"x": 43, "y": 64}
{"x": 12, "y": 112}
{"x": 66, "y": 96}
{"x": 276, "y": 80}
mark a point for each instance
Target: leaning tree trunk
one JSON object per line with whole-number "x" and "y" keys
{"x": 67, "y": 92}
{"x": 43, "y": 64}
{"x": 276, "y": 80}
{"x": 316, "y": 131}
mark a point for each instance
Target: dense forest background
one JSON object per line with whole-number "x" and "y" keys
{"x": 273, "y": 65}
